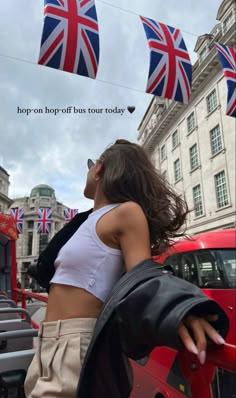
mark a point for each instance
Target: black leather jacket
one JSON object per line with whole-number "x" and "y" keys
{"x": 143, "y": 311}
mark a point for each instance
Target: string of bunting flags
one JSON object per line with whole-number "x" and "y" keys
{"x": 44, "y": 220}
{"x": 70, "y": 42}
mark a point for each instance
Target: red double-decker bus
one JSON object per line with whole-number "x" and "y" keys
{"x": 208, "y": 261}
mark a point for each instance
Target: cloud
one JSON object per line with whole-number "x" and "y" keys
{"x": 44, "y": 148}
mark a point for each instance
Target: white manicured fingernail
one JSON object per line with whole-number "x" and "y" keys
{"x": 219, "y": 340}
{"x": 202, "y": 357}
{"x": 194, "y": 349}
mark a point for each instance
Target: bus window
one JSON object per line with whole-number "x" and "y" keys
{"x": 174, "y": 262}
{"x": 189, "y": 269}
{"x": 228, "y": 257}
{"x": 184, "y": 266}
{"x": 210, "y": 275}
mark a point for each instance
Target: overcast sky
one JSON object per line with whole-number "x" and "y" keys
{"x": 47, "y": 149}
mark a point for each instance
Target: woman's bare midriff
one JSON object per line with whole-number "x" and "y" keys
{"x": 66, "y": 302}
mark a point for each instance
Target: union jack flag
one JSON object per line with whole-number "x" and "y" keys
{"x": 69, "y": 214}
{"x": 227, "y": 56}
{"x": 170, "y": 70}
{"x": 18, "y": 214}
{"x": 44, "y": 220}
{"x": 70, "y": 39}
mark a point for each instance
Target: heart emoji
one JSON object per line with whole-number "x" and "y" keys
{"x": 131, "y": 109}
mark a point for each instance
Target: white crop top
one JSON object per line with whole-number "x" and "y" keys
{"x": 86, "y": 262}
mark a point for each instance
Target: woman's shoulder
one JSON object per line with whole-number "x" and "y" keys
{"x": 130, "y": 211}
{"x": 130, "y": 206}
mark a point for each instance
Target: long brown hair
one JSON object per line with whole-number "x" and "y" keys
{"x": 129, "y": 175}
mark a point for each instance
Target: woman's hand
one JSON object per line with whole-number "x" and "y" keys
{"x": 200, "y": 328}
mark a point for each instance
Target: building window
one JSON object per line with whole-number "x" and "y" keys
{"x": 163, "y": 152}
{"x": 44, "y": 202}
{"x": 203, "y": 54}
{"x": 211, "y": 101}
{"x": 216, "y": 30}
{"x": 215, "y": 137}
{"x": 177, "y": 170}
{"x": 194, "y": 162}
{"x": 43, "y": 241}
{"x": 190, "y": 122}
{"x": 164, "y": 174}
{"x": 221, "y": 190}
{"x": 30, "y": 243}
{"x": 30, "y": 224}
{"x": 228, "y": 22}
{"x": 197, "y": 200}
{"x": 175, "y": 139}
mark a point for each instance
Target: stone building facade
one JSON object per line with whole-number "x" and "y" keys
{"x": 31, "y": 243}
{"x": 194, "y": 145}
{"x": 5, "y": 201}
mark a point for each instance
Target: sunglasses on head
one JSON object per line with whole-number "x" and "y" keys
{"x": 90, "y": 163}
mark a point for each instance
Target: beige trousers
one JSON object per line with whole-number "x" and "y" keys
{"x": 55, "y": 369}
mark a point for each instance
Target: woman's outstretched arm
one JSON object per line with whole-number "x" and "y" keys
{"x": 133, "y": 235}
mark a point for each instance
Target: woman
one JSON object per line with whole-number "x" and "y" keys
{"x": 135, "y": 215}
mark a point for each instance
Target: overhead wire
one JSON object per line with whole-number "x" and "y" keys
{"x": 99, "y": 80}
{"x": 134, "y": 13}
